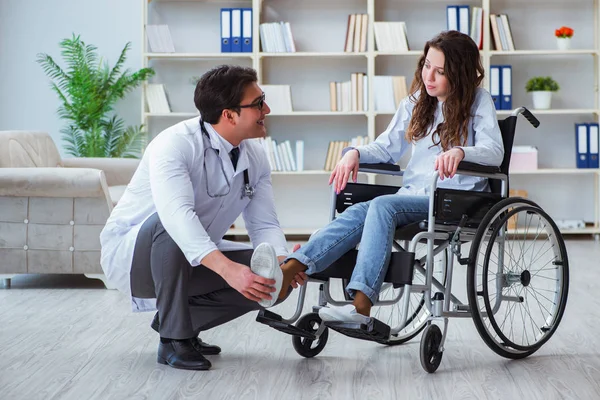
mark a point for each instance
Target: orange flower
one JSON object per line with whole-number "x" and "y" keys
{"x": 563, "y": 32}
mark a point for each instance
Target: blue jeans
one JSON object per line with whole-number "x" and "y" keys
{"x": 372, "y": 224}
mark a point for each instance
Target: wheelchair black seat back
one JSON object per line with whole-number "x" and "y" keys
{"x": 450, "y": 205}
{"x": 517, "y": 269}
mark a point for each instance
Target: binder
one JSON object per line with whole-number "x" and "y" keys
{"x": 236, "y": 30}
{"x": 593, "y": 139}
{"x": 452, "y": 18}
{"x": 506, "y": 88}
{"x": 225, "y": 30}
{"x": 495, "y": 85}
{"x": 463, "y": 19}
{"x": 246, "y": 30}
{"x": 581, "y": 145}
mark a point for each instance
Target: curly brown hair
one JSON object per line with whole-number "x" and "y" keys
{"x": 464, "y": 72}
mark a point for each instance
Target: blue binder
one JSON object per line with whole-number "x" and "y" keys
{"x": 593, "y": 139}
{"x": 225, "y": 30}
{"x": 581, "y": 145}
{"x": 247, "y": 30}
{"x": 464, "y": 16}
{"x": 236, "y": 30}
{"x": 496, "y": 85}
{"x": 506, "y": 87}
{"x": 452, "y": 18}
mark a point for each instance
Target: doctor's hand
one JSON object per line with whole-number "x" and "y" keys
{"x": 251, "y": 286}
{"x": 447, "y": 162}
{"x": 341, "y": 173}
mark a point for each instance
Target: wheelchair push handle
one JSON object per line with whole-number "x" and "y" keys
{"x": 528, "y": 115}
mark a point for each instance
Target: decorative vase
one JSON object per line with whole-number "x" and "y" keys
{"x": 563, "y": 43}
{"x": 541, "y": 100}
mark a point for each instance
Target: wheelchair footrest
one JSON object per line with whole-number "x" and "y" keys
{"x": 375, "y": 330}
{"x": 275, "y": 321}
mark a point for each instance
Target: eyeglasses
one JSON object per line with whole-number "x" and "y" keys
{"x": 258, "y": 104}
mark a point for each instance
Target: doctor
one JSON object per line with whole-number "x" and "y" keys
{"x": 163, "y": 242}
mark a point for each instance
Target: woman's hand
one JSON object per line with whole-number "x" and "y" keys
{"x": 341, "y": 173}
{"x": 447, "y": 162}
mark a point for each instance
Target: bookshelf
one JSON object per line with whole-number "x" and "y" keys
{"x": 319, "y": 30}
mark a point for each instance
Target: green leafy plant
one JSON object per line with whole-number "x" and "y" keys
{"x": 541, "y": 83}
{"x": 88, "y": 89}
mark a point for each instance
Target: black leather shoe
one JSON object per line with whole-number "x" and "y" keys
{"x": 203, "y": 347}
{"x": 182, "y": 354}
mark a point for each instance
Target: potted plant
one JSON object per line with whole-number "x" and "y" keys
{"x": 88, "y": 89}
{"x": 563, "y": 37}
{"x": 541, "y": 88}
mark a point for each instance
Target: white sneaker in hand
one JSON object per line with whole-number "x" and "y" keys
{"x": 264, "y": 263}
{"x": 345, "y": 313}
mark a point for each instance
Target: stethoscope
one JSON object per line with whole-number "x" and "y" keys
{"x": 247, "y": 190}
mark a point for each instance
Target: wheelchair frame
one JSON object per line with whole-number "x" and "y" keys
{"x": 442, "y": 306}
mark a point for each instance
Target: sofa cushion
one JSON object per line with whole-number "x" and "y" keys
{"x": 116, "y": 192}
{"x": 20, "y": 149}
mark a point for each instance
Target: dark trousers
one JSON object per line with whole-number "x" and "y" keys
{"x": 189, "y": 299}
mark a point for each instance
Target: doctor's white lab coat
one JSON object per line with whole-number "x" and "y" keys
{"x": 177, "y": 176}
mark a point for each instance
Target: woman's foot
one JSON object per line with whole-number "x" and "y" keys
{"x": 358, "y": 312}
{"x": 345, "y": 313}
{"x": 290, "y": 269}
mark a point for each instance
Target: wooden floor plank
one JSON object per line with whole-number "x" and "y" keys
{"x": 67, "y": 338}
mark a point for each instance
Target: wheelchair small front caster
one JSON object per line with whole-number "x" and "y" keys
{"x": 308, "y": 347}
{"x": 431, "y": 357}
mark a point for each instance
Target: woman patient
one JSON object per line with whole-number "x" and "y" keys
{"x": 446, "y": 119}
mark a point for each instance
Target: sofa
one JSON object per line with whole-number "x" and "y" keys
{"x": 52, "y": 209}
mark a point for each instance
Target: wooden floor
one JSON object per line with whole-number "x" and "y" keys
{"x": 69, "y": 338}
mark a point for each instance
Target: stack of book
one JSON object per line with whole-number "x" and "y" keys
{"x": 389, "y": 92}
{"x": 351, "y": 95}
{"x": 334, "y": 151}
{"x": 281, "y": 157}
{"x": 356, "y": 33}
{"x": 503, "y": 39}
{"x": 276, "y": 37}
{"x": 477, "y": 26}
{"x": 156, "y": 98}
{"x": 159, "y": 39}
{"x": 391, "y": 36}
{"x": 278, "y": 97}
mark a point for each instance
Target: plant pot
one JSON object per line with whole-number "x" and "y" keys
{"x": 563, "y": 43}
{"x": 541, "y": 100}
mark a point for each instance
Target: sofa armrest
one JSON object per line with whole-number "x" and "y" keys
{"x": 118, "y": 171}
{"x": 53, "y": 182}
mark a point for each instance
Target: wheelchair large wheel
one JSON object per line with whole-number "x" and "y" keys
{"x": 417, "y": 311}
{"x": 306, "y": 347}
{"x": 518, "y": 278}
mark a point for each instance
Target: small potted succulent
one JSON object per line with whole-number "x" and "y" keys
{"x": 541, "y": 88}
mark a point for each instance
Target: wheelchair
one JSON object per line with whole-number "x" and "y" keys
{"x": 517, "y": 270}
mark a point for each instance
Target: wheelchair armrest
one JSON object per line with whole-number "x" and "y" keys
{"x": 465, "y": 166}
{"x": 381, "y": 168}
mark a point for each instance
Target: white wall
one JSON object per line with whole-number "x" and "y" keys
{"x": 29, "y": 27}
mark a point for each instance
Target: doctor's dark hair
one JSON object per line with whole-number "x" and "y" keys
{"x": 222, "y": 88}
{"x": 464, "y": 72}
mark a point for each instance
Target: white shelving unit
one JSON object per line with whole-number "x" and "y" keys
{"x": 319, "y": 28}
